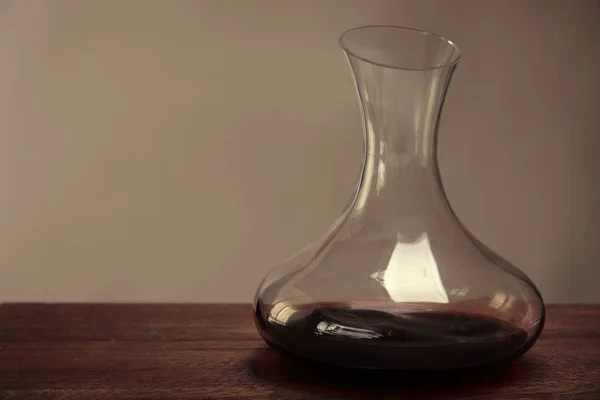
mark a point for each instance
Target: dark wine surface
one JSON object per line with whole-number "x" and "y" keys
{"x": 423, "y": 340}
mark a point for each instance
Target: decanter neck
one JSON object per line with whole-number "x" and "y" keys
{"x": 401, "y": 109}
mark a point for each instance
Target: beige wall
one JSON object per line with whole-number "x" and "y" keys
{"x": 175, "y": 150}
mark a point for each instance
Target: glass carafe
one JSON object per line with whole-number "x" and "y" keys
{"x": 398, "y": 282}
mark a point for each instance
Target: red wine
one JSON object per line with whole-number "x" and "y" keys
{"x": 416, "y": 340}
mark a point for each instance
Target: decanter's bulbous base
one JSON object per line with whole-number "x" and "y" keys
{"x": 371, "y": 309}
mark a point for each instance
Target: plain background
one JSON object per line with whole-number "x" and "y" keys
{"x": 176, "y": 150}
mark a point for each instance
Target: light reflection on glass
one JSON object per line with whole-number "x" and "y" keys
{"x": 380, "y": 177}
{"x": 280, "y": 313}
{"x": 412, "y": 274}
{"x": 500, "y": 300}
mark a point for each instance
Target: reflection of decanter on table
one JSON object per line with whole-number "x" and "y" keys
{"x": 398, "y": 282}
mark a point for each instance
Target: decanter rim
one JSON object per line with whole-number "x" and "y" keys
{"x": 455, "y": 58}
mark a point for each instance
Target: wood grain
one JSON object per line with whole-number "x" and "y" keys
{"x": 133, "y": 351}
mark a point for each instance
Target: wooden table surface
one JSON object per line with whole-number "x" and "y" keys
{"x": 110, "y": 351}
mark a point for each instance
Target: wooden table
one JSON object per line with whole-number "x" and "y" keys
{"x": 84, "y": 351}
